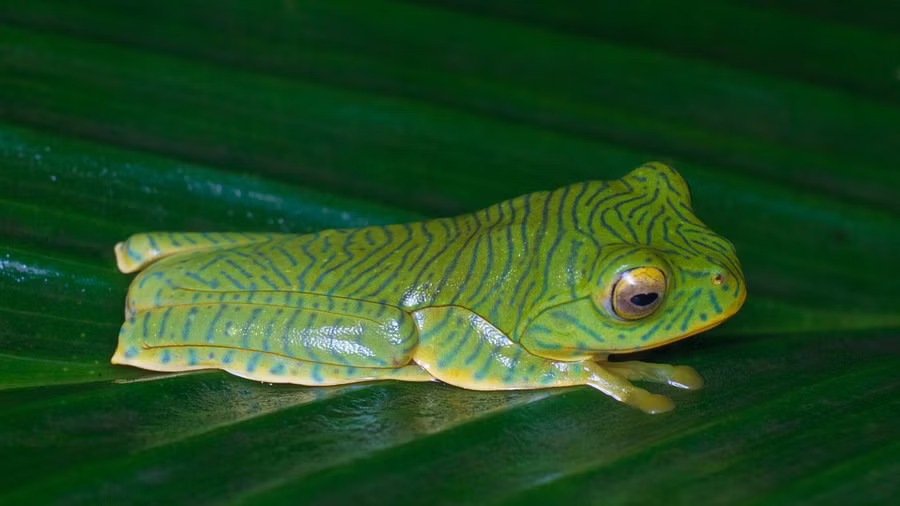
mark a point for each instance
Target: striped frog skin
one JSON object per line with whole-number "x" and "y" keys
{"x": 532, "y": 292}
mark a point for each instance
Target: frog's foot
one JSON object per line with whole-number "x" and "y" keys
{"x": 619, "y": 388}
{"x": 680, "y": 376}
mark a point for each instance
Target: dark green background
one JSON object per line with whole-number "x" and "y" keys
{"x": 118, "y": 117}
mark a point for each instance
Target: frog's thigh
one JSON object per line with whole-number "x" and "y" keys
{"x": 272, "y": 343}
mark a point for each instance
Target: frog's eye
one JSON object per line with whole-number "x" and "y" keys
{"x": 638, "y": 292}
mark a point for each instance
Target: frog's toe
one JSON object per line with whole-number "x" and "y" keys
{"x": 648, "y": 402}
{"x": 685, "y": 377}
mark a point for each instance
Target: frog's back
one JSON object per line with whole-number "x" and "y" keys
{"x": 375, "y": 263}
{"x": 343, "y": 263}
{"x": 499, "y": 262}
{"x": 462, "y": 260}
{"x": 485, "y": 261}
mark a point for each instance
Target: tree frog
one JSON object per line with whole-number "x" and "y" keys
{"x": 533, "y": 292}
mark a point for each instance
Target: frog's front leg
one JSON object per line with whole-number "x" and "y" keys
{"x": 680, "y": 376}
{"x": 461, "y": 348}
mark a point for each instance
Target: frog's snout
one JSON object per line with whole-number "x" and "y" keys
{"x": 733, "y": 288}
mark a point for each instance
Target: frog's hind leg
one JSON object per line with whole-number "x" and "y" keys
{"x": 254, "y": 365}
{"x": 139, "y": 250}
{"x": 272, "y": 343}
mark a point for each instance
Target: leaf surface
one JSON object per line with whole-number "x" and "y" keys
{"x": 119, "y": 117}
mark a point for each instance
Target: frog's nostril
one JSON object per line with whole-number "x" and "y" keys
{"x": 718, "y": 279}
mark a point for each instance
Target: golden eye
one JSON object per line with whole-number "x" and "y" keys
{"x": 638, "y": 292}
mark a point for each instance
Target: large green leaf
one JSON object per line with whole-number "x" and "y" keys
{"x": 119, "y": 117}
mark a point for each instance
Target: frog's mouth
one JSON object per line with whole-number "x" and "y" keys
{"x": 735, "y": 306}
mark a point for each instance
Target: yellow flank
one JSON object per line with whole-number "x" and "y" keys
{"x": 532, "y": 292}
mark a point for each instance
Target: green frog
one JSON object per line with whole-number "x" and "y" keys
{"x": 533, "y": 292}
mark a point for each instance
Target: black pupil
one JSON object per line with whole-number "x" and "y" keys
{"x": 644, "y": 299}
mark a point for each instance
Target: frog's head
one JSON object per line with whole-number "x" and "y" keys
{"x": 660, "y": 275}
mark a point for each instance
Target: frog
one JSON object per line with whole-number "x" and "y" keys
{"x": 533, "y": 292}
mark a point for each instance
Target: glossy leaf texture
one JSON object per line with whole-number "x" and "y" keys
{"x": 120, "y": 117}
